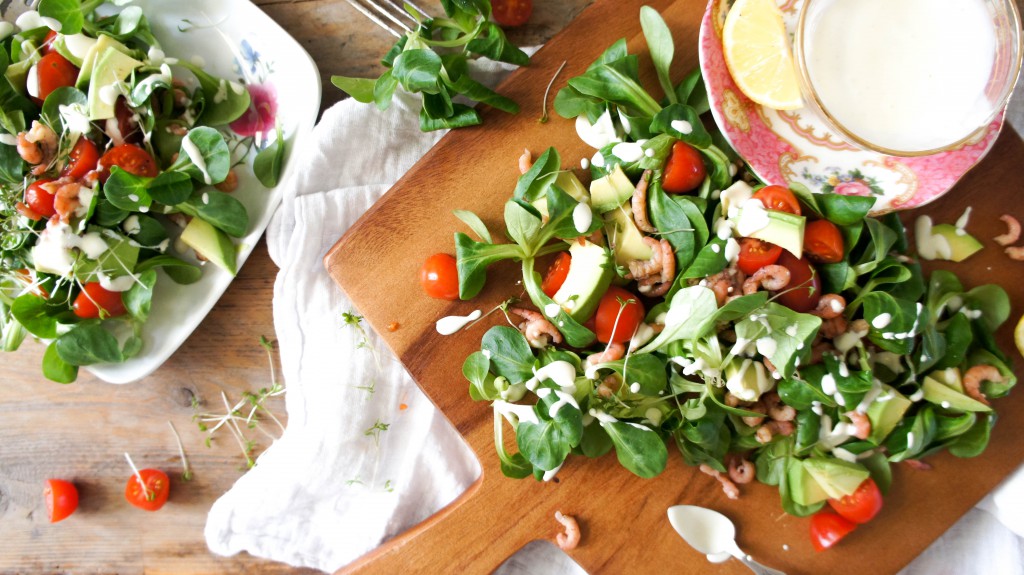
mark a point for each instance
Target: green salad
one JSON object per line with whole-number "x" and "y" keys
{"x": 766, "y": 332}
{"x": 112, "y": 165}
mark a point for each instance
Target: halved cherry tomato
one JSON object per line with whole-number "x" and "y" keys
{"x": 39, "y": 200}
{"x": 129, "y": 158}
{"x": 54, "y": 71}
{"x": 827, "y": 529}
{"x": 94, "y": 301}
{"x": 804, "y": 289}
{"x": 61, "y": 499}
{"x": 82, "y": 159}
{"x": 755, "y": 254}
{"x": 439, "y": 277}
{"x": 613, "y": 326}
{"x": 862, "y": 505}
{"x": 511, "y": 13}
{"x": 556, "y": 275}
{"x": 127, "y": 121}
{"x": 158, "y": 487}
{"x": 47, "y": 46}
{"x": 823, "y": 242}
{"x": 778, "y": 198}
{"x": 684, "y": 170}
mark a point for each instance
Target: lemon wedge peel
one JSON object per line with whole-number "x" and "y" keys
{"x": 758, "y": 54}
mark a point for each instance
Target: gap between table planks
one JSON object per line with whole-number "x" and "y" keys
{"x": 622, "y": 517}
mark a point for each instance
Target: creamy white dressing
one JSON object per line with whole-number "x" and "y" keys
{"x": 635, "y": 387}
{"x": 753, "y": 218}
{"x": 551, "y": 473}
{"x": 930, "y": 245}
{"x": 8, "y": 139}
{"x": 601, "y": 416}
{"x": 597, "y": 160}
{"x": 917, "y": 395}
{"x": 584, "y": 163}
{"x": 628, "y": 151}
{"x": 732, "y": 250}
{"x": 113, "y": 130}
{"x": 75, "y": 118}
{"x": 32, "y": 81}
{"x": 52, "y": 252}
{"x": 131, "y": 225}
{"x": 767, "y": 346}
{"x": 155, "y": 56}
{"x": 222, "y": 92}
{"x": 736, "y": 196}
{"x": 521, "y": 412}
{"x": 881, "y": 321}
{"x": 453, "y": 323}
{"x": 643, "y": 334}
{"x": 682, "y": 126}
{"x": 561, "y": 372}
{"x": 119, "y": 284}
{"x": 582, "y": 217}
{"x": 723, "y": 228}
{"x": 108, "y": 94}
{"x": 237, "y": 88}
{"x": 79, "y": 44}
{"x": 962, "y": 221}
{"x": 192, "y": 150}
{"x": 563, "y": 399}
{"x": 600, "y": 133}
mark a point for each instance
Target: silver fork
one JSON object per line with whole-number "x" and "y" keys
{"x": 382, "y": 11}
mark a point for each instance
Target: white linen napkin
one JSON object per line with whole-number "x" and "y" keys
{"x": 332, "y": 488}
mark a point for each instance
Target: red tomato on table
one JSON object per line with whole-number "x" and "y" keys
{"x": 511, "y": 13}
{"x": 778, "y": 198}
{"x": 82, "y": 159}
{"x": 439, "y": 277}
{"x": 827, "y": 529}
{"x": 556, "y": 274}
{"x": 94, "y": 299}
{"x": 129, "y": 158}
{"x": 823, "y": 242}
{"x": 684, "y": 170}
{"x": 153, "y": 497}
{"x": 61, "y": 499}
{"x": 862, "y": 505}
{"x": 804, "y": 289}
{"x": 755, "y": 254}
{"x": 54, "y": 71}
{"x": 613, "y": 326}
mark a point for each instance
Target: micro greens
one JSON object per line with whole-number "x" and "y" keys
{"x": 186, "y": 474}
{"x": 356, "y": 322}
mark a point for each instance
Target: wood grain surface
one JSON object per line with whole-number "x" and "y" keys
{"x": 80, "y": 431}
{"x": 622, "y": 516}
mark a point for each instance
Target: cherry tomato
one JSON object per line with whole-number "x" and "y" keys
{"x": 511, "y": 13}
{"x": 127, "y": 124}
{"x": 684, "y": 171}
{"x": 778, "y": 198}
{"x": 439, "y": 277}
{"x": 39, "y": 200}
{"x": 860, "y": 507}
{"x": 804, "y": 288}
{"x": 823, "y": 242}
{"x": 608, "y": 313}
{"x": 61, "y": 499}
{"x": 158, "y": 487}
{"x": 47, "y": 46}
{"x": 827, "y": 529}
{"x": 82, "y": 159}
{"x": 94, "y": 298}
{"x": 129, "y": 158}
{"x": 54, "y": 71}
{"x": 556, "y": 275}
{"x": 755, "y": 254}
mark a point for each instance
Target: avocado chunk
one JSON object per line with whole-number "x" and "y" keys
{"x": 837, "y": 477}
{"x": 608, "y": 193}
{"x": 961, "y": 244}
{"x": 885, "y": 415}
{"x": 112, "y": 67}
{"x": 74, "y": 47}
{"x": 950, "y": 377}
{"x": 947, "y": 397}
{"x": 103, "y": 43}
{"x": 804, "y": 489}
{"x": 782, "y": 229}
{"x": 624, "y": 237}
{"x": 211, "y": 243}
{"x": 568, "y": 183}
{"x": 590, "y": 274}
{"x": 748, "y": 379}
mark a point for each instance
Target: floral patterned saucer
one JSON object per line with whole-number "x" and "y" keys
{"x": 796, "y": 146}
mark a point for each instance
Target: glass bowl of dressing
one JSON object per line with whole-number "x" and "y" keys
{"x": 908, "y": 77}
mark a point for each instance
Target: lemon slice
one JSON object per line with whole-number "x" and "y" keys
{"x": 758, "y": 54}
{"x": 1018, "y": 335}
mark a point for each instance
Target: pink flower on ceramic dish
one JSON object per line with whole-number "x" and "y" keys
{"x": 854, "y": 188}
{"x": 262, "y": 113}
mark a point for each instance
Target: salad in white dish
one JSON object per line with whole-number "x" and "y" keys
{"x": 112, "y": 165}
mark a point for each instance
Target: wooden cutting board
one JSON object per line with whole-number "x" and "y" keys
{"x": 622, "y": 517}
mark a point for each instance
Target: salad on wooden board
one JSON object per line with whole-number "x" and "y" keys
{"x": 112, "y": 165}
{"x": 767, "y": 332}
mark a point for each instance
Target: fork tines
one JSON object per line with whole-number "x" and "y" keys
{"x": 381, "y": 12}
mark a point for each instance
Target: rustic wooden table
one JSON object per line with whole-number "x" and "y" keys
{"x": 80, "y": 431}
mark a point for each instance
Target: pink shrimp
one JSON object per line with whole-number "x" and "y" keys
{"x": 741, "y": 470}
{"x": 730, "y": 489}
{"x": 639, "y": 204}
{"x": 1015, "y": 253}
{"x": 571, "y": 538}
{"x": 1012, "y": 231}
{"x": 525, "y": 161}
{"x": 37, "y": 146}
{"x": 974, "y": 377}
{"x": 861, "y": 424}
{"x": 830, "y": 306}
{"x": 771, "y": 278}
{"x": 766, "y": 432}
{"x": 751, "y": 420}
{"x": 65, "y": 200}
{"x": 833, "y": 328}
{"x": 614, "y": 352}
{"x": 918, "y": 464}
{"x": 609, "y": 385}
{"x": 657, "y": 286}
{"x": 538, "y": 330}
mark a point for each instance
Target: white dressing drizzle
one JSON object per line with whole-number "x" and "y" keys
{"x": 521, "y": 412}
{"x": 682, "y": 126}
{"x": 196, "y": 156}
{"x": 582, "y": 217}
{"x": 453, "y": 323}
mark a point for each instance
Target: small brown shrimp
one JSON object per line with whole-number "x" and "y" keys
{"x": 65, "y": 200}
{"x": 753, "y": 421}
{"x": 537, "y": 329}
{"x": 860, "y": 326}
{"x": 833, "y": 328}
{"x": 639, "y": 204}
{"x": 229, "y": 184}
{"x": 741, "y": 470}
{"x": 782, "y": 412}
{"x": 571, "y": 538}
{"x": 1012, "y": 231}
{"x": 730, "y": 489}
{"x": 861, "y": 424}
{"x": 1015, "y": 253}
{"x": 818, "y": 352}
{"x": 974, "y": 376}
{"x": 609, "y": 385}
{"x": 614, "y": 352}
{"x": 721, "y": 289}
{"x": 771, "y": 278}
{"x": 766, "y": 432}
{"x": 525, "y": 161}
{"x": 731, "y": 400}
{"x": 659, "y": 286}
{"x": 37, "y": 146}
{"x": 830, "y": 306}
{"x": 918, "y": 464}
